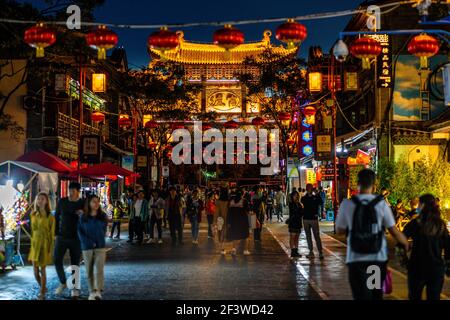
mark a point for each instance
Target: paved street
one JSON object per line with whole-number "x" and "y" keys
{"x": 164, "y": 272}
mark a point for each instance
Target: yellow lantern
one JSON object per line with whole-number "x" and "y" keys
{"x": 99, "y": 82}
{"x": 315, "y": 81}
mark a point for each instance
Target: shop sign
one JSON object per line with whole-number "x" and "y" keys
{"x": 384, "y": 61}
{"x": 90, "y": 149}
{"x": 311, "y": 176}
{"x": 142, "y": 161}
{"x": 128, "y": 162}
{"x": 323, "y": 147}
{"x": 165, "y": 171}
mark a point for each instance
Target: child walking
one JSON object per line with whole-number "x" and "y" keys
{"x": 42, "y": 240}
{"x": 92, "y": 231}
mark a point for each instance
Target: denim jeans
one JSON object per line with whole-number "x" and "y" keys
{"x": 194, "y": 229}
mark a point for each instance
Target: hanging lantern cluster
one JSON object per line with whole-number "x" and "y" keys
{"x": 292, "y": 33}
{"x": 40, "y": 37}
{"x": 102, "y": 39}
{"x": 163, "y": 40}
{"x": 231, "y": 125}
{"x": 151, "y": 125}
{"x": 258, "y": 121}
{"x": 124, "y": 120}
{"x": 365, "y": 48}
{"x": 290, "y": 142}
{"x": 310, "y": 115}
{"x": 97, "y": 117}
{"x": 423, "y": 46}
{"x": 228, "y": 37}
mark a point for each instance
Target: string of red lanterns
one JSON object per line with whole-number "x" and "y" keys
{"x": 365, "y": 48}
{"x": 102, "y": 39}
{"x": 423, "y": 46}
{"x": 40, "y": 37}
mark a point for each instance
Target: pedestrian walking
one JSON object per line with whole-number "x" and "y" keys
{"x": 156, "y": 211}
{"x": 139, "y": 216}
{"x": 364, "y": 219}
{"x": 131, "y": 228}
{"x": 311, "y": 206}
{"x": 68, "y": 211}
{"x": 280, "y": 202}
{"x": 323, "y": 197}
{"x": 431, "y": 242}
{"x": 258, "y": 208}
{"x": 237, "y": 222}
{"x": 210, "y": 208}
{"x": 92, "y": 232}
{"x": 295, "y": 223}
{"x": 269, "y": 206}
{"x": 117, "y": 220}
{"x": 42, "y": 240}
{"x": 194, "y": 207}
{"x": 220, "y": 218}
{"x": 174, "y": 210}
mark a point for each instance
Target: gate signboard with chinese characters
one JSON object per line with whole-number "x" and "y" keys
{"x": 90, "y": 149}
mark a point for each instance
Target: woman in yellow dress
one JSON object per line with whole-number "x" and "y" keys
{"x": 42, "y": 240}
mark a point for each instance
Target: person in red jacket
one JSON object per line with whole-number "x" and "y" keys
{"x": 194, "y": 208}
{"x": 210, "y": 211}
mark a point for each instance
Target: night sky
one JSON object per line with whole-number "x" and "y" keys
{"x": 321, "y": 32}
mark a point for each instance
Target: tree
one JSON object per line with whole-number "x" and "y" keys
{"x": 277, "y": 81}
{"x": 162, "y": 92}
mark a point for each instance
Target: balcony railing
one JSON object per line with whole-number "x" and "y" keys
{"x": 68, "y": 127}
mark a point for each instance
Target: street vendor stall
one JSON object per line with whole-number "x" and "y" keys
{"x": 20, "y": 182}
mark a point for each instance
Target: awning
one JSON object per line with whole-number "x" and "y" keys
{"x": 49, "y": 161}
{"x": 104, "y": 170}
{"x": 47, "y": 178}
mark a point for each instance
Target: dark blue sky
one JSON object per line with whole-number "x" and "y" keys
{"x": 321, "y": 32}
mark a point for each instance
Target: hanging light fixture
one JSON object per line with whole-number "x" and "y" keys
{"x": 292, "y": 33}
{"x": 258, "y": 121}
{"x": 315, "y": 81}
{"x": 285, "y": 118}
{"x": 124, "y": 120}
{"x": 40, "y": 37}
{"x": 365, "y": 48}
{"x": 310, "y": 115}
{"x": 163, "y": 40}
{"x": 99, "y": 82}
{"x": 102, "y": 39}
{"x": 98, "y": 116}
{"x": 423, "y": 46}
{"x": 151, "y": 124}
{"x": 228, "y": 37}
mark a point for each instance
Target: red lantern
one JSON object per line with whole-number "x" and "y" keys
{"x": 424, "y": 47}
{"x": 151, "y": 124}
{"x": 177, "y": 125}
{"x": 284, "y": 116}
{"x": 310, "y": 115}
{"x": 152, "y": 145}
{"x": 231, "y": 124}
{"x": 40, "y": 37}
{"x": 365, "y": 48}
{"x": 102, "y": 39}
{"x": 290, "y": 142}
{"x": 292, "y": 33}
{"x": 228, "y": 37}
{"x": 258, "y": 121}
{"x": 163, "y": 40}
{"x": 98, "y": 116}
{"x": 124, "y": 120}
{"x": 206, "y": 126}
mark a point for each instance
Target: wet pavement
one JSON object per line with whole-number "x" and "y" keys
{"x": 197, "y": 272}
{"x": 154, "y": 271}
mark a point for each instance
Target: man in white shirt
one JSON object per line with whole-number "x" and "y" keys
{"x": 363, "y": 266}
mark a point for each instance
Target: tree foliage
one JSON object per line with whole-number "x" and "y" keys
{"x": 406, "y": 183}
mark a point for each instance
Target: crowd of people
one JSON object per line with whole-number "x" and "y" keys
{"x": 234, "y": 217}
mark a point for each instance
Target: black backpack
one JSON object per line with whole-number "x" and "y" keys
{"x": 362, "y": 238}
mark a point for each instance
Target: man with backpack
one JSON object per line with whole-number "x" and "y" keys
{"x": 364, "y": 219}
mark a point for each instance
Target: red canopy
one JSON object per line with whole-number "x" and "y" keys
{"x": 103, "y": 170}
{"x": 48, "y": 160}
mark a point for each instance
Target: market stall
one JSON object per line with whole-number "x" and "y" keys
{"x": 19, "y": 184}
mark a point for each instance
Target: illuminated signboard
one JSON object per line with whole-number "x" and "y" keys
{"x": 384, "y": 61}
